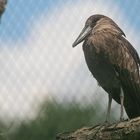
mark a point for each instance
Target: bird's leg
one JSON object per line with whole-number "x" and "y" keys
{"x": 106, "y": 123}
{"x": 122, "y": 109}
{"x": 122, "y": 101}
{"x": 109, "y": 108}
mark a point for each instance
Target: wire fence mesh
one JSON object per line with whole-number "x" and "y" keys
{"x": 39, "y": 66}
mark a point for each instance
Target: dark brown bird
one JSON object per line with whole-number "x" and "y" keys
{"x": 113, "y": 61}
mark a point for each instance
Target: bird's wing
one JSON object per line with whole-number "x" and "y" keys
{"x": 133, "y": 52}
{"x": 129, "y": 77}
{"x": 125, "y": 60}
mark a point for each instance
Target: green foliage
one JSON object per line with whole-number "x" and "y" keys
{"x": 54, "y": 118}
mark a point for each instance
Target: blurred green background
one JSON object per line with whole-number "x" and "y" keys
{"x": 54, "y": 118}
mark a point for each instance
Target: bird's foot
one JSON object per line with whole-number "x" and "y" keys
{"x": 101, "y": 127}
{"x": 121, "y": 120}
{"x": 107, "y": 122}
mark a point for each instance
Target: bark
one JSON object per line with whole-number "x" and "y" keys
{"x": 126, "y": 130}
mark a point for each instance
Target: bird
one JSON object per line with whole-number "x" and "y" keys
{"x": 113, "y": 62}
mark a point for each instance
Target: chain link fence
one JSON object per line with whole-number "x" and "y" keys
{"x": 42, "y": 76}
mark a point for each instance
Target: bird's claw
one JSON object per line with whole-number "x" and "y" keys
{"x": 122, "y": 119}
{"x": 102, "y": 127}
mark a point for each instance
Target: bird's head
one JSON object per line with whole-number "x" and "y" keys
{"x": 89, "y": 25}
{"x": 94, "y": 23}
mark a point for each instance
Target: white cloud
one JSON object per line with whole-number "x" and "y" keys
{"x": 46, "y": 65}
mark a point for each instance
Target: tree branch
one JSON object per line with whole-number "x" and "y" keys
{"x": 126, "y": 130}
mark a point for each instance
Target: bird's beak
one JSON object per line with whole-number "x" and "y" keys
{"x": 85, "y": 32}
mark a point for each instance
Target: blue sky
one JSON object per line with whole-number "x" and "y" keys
{"x": 131, "y": 10}
{"x": 20, "y": 14}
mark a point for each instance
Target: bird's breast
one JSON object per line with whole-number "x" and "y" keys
{"x": 99, "y": 65}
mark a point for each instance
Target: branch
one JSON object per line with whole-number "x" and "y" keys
{"x": 126, "y": 130}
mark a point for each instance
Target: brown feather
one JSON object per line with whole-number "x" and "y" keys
{"x": 114, "y": 63}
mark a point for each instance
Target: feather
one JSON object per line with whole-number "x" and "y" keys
{"x": 112, "y": 60}
{"x": 107, "y": 45}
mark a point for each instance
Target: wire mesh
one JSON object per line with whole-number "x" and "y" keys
{"x": 38, "y": 64}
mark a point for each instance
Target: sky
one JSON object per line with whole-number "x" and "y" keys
{"x": 36, "y": 56}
